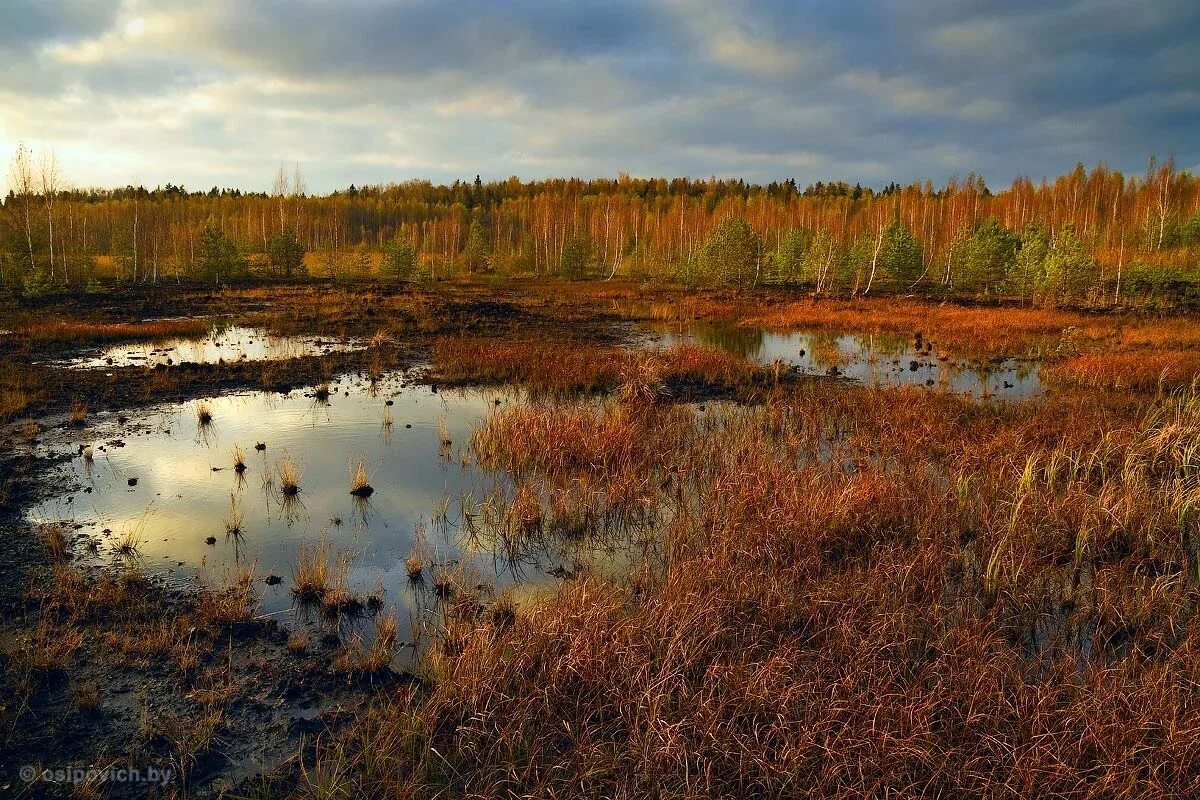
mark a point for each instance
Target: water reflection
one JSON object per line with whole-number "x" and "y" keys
{"x": 881, "y": 360}
{"x": 222, "y": 344}
{"x": 180, "y": 491}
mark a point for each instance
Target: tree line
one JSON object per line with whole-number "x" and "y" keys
{"x": 1086, "y": 237}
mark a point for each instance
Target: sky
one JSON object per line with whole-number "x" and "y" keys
{"x": 220, "y": 92}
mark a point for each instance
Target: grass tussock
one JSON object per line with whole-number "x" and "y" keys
{"x": 360, "y": 658}
{"x": 77, "y": 416}
{"x": 314, "y": 572}
{"x": 236, "y": 518}
{"x": 360, "y": 480}
{"x": 204, "y": 413}
{"x": 288, "y": 475}
{"x": 56, "y": 540}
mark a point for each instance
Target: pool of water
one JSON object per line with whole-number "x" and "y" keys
{"x": 881, "y": 360}
{"x": 171, "y": 480}
{"x": 219, "y": 345}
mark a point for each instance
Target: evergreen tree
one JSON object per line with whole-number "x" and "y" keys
{"x": 986, "y": 257}
{"x": 286, "y": 253}
{"x": 576, "y": 257}
{"x": 1069, "y": 269}
{"x": 1030, "y": 271}
{"x": 475, "y": 252}
{"x": 219, "y": 256}
{"x": 900, "y": 253}
{"x": 788, "y": 261}
{"x": 399, "y": 260}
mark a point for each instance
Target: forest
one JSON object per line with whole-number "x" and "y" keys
{"x": 1085, "y": 238}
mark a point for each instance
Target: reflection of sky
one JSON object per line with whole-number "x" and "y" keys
{"x": 180, "y": 501}
{"x": 233, "y": 343}
{"x": 883, "y": 360}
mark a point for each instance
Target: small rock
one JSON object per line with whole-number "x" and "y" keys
{"x": 133, "y": 481}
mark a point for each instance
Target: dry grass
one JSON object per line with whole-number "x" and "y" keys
{"x": 360, "y": 480}
{"x": 204, "y": 414}
{"x": 77, "y": 416}
{"x": 60, "y": 330}
{"x": 977, "y": 331}
{"x": 560, "y": 368}
{"x": 1144, "y": 370}
{"x": 47, "y": 648}
{"x": 374, "y": 658}
{"x": 56, "y": 540}
{"x": 13, "y": 401}
{"x": 313, "y": 573}
{"x": 539, "y": 365}
{"x": 233, "y": 524}
{"x": 288, "y": 474}
{"x": 860, "y": 593}
{"x": 130, "y": 541}
{"x": 239, "y": 459}
{"x": 231, "y": 600}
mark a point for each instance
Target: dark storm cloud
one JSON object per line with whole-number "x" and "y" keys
{"x": 375, "y": 91}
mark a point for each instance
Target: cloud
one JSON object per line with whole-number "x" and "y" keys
{"x": 373, "y": 91}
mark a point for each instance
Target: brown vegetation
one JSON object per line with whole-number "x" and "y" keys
{"x": 1140, "y": 370}
{"x": 869, "y": 592}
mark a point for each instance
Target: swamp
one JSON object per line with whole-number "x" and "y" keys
{"x": 558, "y": 538}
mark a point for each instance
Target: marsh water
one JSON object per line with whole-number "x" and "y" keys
{"x": 874, "y": 359}
{"x": 170, "y": 481}
{"x": 167, "y": 481}
{"x": 222, "y": 344}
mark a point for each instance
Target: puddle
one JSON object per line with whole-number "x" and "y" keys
{"x": 221, "y": 344}
{"x": 173, "y": 481}
{"x": 880, "y": 360}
